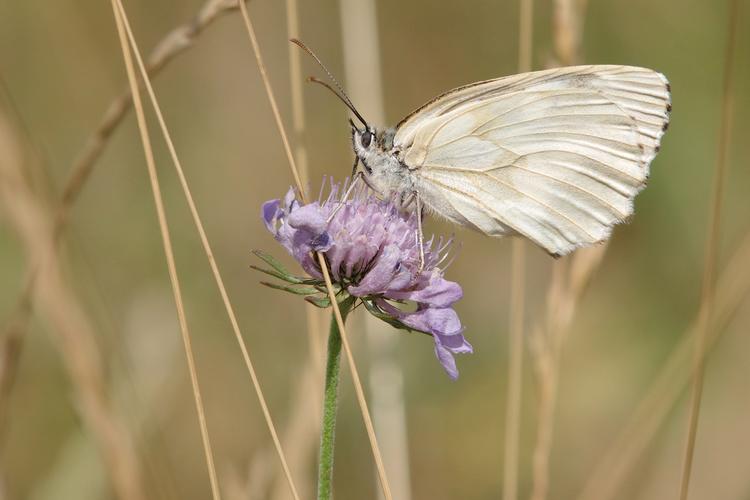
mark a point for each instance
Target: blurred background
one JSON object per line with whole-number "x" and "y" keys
{"x": 61, "y": 67}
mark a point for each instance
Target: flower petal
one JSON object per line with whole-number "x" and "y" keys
{"x": 441, "y": 321}
{"x": 456, "y": 343}
{"x": 289, "y": 200}
{"x": 269, "y": 213}
{"x": 381, "y": 274}
{"x": 446, "y": 359}
{"x": 374, "y": 254}
{"x": 309, "y": 217}
{"x": 438, "y": 292}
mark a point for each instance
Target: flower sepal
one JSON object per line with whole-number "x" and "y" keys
{"x": 278, "y": 271}
{"x": 313, "y": 290}
{"x": 296, "y": 290}
{"x": 322, "y": 302}
{"x": 376, "y": 311}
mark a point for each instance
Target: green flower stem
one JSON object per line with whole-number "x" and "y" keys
{"x": 330, "y": 404}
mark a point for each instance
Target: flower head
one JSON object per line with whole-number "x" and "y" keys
{"x": 373, "y": 254}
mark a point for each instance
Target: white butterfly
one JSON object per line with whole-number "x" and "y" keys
{"x": 556, "y": 156}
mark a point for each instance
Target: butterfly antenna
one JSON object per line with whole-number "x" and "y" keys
{"x": 341, "y": 94}
{"x": 347, "y": 103}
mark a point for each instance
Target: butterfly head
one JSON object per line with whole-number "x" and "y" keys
{"x": 370, "y": 143}
{"x": 364, "y": 139}
{"x": 374, "y": 148}
{"x": 363, "y": 143}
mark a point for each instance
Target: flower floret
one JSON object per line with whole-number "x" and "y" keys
{"x": 372, "y": 250}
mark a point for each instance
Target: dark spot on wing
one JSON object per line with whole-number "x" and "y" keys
{"x": 582, "y": 81}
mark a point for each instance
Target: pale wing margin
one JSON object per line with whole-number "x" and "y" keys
{"x": 556, "y": 156}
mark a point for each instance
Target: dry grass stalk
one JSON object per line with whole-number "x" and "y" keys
{"x": 357, "y": 385}
{"x": 272, "y": 101}
{"x": 364, "y": 84}
{"x": 68, "y": 321}
{"x": 622, "y": 455}
{"x": 207, "y": 249}
{"x": 567, "y": 30}
{"x": 169, "y": 47}
{"x": 321, "y": 259}
{"x": 17, "y": 323}
{"x": 11, "y": 344}
{"x": 515, "y": 371}
{"x": 173, "y": 44}
{"x": 296, "y": 84}
{"x": 148, "y": 343}
{"x": 254, "y": 484}
{"x": 312, "y": 313}
{"x": 121, "y": 21}
{"x": 303, "y": 426}
{"x": 209, "y": 254}
{"x": 712, "y": 246}
{"x": 517, "y": 296}
{"x": 569, "y": 280}
{"x": 302, "y": 429}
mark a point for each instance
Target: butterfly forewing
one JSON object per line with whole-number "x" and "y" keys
{"x": 556, "y": 156}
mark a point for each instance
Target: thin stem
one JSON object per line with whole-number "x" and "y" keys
{"x": 544, "y": 341}
{"x": 312, "y": 313}
{"x": 174, "y": 43}
{"x": 171, "y": 45}
{"x": 272, "y": 99}
{"x": 622, "y": 455}
{"x": 569, "y": 279}
{"x": 363, "y": 75}
{"x": 12, "y": 339}
{"x": 515, "y": 372}
{"x": 305, "y": 435}
{"x": 385, "y": 485}
{"x": 382, "y": 477}
{"x": 295, "y": 84}
{"x": 712, "y": 247}
{"x": 525, "y": 35}
{"x": 167, "y": 243}
{"x": 330, "y": 404}
{"x": 518, "y": 263}
{"x": 209, "y": 254}
{"x": 67, "y": 321}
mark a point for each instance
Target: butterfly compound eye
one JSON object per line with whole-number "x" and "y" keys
{"x": 366, "y": 138}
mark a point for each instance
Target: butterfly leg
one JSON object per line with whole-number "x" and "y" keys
{"x": 406, "y": 201}
{"x": 363, "y": 176}
{"x": 355, "y": 179}
{"x": 420, "y": 233}
{"x": 354, "y": 167}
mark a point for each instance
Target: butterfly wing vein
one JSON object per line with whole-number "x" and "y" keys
{"x": 556, "y": 156}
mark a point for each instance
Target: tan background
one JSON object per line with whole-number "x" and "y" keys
{"x": 61, "y": 64}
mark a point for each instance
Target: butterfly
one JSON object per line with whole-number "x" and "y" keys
{"x": 556, "y": 156}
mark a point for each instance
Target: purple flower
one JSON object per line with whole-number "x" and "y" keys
{"x": 373, "y": 254}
